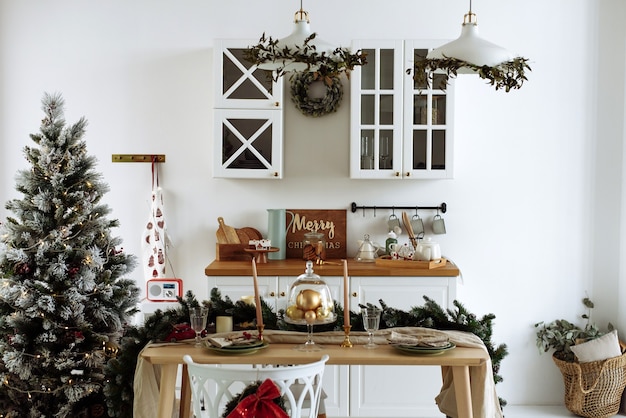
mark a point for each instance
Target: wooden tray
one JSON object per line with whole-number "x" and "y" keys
{"x": 433, "y": 264}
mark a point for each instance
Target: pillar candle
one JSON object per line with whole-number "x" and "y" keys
{"x": 346, "y": 304}
{"x": 257, "y": 298}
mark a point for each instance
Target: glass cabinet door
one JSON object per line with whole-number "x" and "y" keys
{"x": 247, "y": 144}
{"x": 376, "y": 111}
{"x": 428, "y": 121}
{"x": 238, "y": 83}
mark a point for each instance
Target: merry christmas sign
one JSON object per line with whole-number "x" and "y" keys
{"x": 330, "y": 222}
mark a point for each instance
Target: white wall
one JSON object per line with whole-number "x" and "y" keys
{"x": 534, "y": 208}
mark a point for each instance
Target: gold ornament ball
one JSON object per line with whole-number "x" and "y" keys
{"x": 308, "y": 299}
{"x": 322, "y": 312}
{"x": 294, "y": 313}
{"x": 310, "y": 316}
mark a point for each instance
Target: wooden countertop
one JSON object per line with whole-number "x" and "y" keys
{"x": 295, "y": 267}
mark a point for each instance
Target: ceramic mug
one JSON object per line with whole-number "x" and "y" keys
{"x": 439, "y": 226}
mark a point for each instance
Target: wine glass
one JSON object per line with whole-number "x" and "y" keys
{"x": 197, "y": 319}
{"x": 384, "y": 152}
{"x": 371, "y": 321}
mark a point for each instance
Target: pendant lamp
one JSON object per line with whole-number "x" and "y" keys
{"x": 302, "y": 51}
{"x": 471, "y": 54}
{"x": 301, "y": 36}
{"x": 470, "y": 47}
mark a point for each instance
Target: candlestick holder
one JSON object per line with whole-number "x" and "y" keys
{"x": 260, "y": 328}
{"x": 346, "y": 341}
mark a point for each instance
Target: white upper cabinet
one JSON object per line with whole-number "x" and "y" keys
{"x": 238, "y": 83}
{"x": 399, "y": 129}
{"x": 248, "y": 123}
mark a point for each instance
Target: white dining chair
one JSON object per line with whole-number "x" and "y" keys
{"x": 212, "y": 386}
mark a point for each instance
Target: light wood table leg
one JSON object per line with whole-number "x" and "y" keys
{"x": 185, "y": 395}
{"x": 166, "y": 390}
{"x": 463, "y": 391}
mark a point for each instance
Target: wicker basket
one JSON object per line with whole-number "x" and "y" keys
{"x": 594, "y": 389}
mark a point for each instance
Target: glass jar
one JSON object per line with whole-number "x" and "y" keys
{"x": 314, "y": 247}
{"x": 310, "y": 300}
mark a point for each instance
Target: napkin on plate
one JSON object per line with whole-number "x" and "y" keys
{"x": 232, "y": 340}
{"x": 425, "y": 341}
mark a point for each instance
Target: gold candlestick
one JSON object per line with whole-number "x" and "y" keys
{"x": 346, "y": 341}
{"x": 260, "y": 328}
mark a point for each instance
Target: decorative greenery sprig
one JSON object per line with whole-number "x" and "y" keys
{"x": 509, "y": 75}
{"x": 340, "y": 60}
{"x": 560, "y": 335}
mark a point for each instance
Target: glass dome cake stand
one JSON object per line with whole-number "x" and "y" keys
{"x": 310, "y": 303}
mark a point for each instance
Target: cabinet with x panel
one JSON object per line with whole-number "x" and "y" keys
{"x": 248, "y": 117}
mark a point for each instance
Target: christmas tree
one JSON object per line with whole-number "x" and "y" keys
{"x": 63, "y": 298}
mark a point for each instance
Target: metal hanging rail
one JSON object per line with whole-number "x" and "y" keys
{"x": 443, "y": 207}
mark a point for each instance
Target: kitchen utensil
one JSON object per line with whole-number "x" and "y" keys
{"x": 367, "y": 250}
{"x": 418, "y": 225}
{"x": 439, "y": 226}
{"x": 277, "y": 231}
{"x": 427, "y": 250}
{"x": 226, "y": 234}
{"x": 409, "y": 229}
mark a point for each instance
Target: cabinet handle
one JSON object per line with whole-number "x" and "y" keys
{"x": 354, "y": 294}
{"x": 272, "y": 294}
{"x": 282, "y": 294}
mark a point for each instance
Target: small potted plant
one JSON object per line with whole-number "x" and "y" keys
{"x": 591, "y": 362}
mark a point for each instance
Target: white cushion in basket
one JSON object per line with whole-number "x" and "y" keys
{"x": 601, "y": 348}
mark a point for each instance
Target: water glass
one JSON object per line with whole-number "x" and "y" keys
{"x": 371, "y": 322}
{"x": 197, "y": 319}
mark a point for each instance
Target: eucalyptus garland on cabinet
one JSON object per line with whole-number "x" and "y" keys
{"x": 120, "y": 370}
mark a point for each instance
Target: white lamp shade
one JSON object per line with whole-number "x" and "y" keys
{"x": 472, "y": 48}
{"x": 302, "y": 30}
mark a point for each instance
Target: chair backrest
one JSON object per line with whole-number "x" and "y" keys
{"x": 212, "y": 386}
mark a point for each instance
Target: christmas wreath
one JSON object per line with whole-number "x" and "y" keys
{"x": 300, "y": 84}
{"x": 257, "y": 399}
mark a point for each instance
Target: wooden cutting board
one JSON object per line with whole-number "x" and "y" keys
{"x": 226, "y": 234}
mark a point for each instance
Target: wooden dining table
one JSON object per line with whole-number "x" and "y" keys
{"x": 170, "y": 357}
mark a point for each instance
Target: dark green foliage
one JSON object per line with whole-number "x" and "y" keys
{"x": 508, "y": 75}
{"x": 431, "y": 315}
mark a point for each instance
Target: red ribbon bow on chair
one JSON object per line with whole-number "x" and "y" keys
{"x": 260, "y": 404}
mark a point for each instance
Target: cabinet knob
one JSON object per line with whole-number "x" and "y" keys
{"x": 282, "y": 294}
{"x": 397, "y": 174}
{"x": 354, "y": 294}
{"x": 276, "y": 104}
{"x": 408, "y": 174}
{"x": 272, "y": 294}
{"x": 275, "y": 174}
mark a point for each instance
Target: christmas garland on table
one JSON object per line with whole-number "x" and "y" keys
{"x": 316, "y": 107}
{"x": 120, "y": 369}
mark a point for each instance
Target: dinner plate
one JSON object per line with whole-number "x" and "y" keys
{"x": 241, "y": 349}
{"x": 412, "y": 349}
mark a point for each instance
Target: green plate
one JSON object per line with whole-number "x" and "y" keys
{"x": 411, "y": 349}
{"x": 239, "y": 350}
